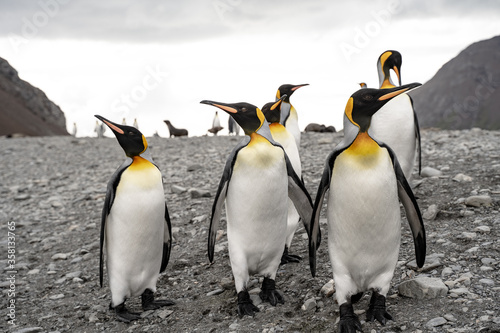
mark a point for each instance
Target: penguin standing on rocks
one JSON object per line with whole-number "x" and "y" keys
{"x": 364, "y": 180}
{"x": 289, "y": 117}
{"x": 281, "y": 135}
{"x": 256, "y": 183}
{"x": 135, "y": 226}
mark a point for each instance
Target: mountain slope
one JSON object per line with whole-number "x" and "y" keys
{"x": 465, "y": 92}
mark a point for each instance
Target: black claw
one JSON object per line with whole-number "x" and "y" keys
{"x": 349, "y": 321}
{"x": 245, "y": 304}
{"x": 149, "y": 302}
{"x": 286, "y": 258}
{"x": 123, "y": 314}
{"x": 377, "y": 309}
{"x": 269, "y": 292}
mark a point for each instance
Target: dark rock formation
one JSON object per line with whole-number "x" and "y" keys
{"x": 26, "y": 110}
{"x": 313, "y": 127}
{"x": 465, "y": 92}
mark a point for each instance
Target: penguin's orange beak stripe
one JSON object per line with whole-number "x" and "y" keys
{"x": 392, "y": 94}
{"x": 226, "y": 108}
{"x": 297, "y": 87}
{"x": 113, "y": 127}
{"x": 397, "y": 74}
{"x": 275, "y": 105}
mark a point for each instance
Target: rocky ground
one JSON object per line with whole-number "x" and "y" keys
{"x": 52, "y": 192}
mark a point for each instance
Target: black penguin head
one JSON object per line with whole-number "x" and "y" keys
{"x": 363, "y": 104}
{"x": 288, "y": 90}
{"x": 130, "y": 139}
{"x": 389, "y": 60}
{"x": 272, "y": 110}
{"x": 248, "y": 116}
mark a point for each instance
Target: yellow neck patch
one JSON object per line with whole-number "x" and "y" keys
{"x": 387, "y": 84}
{"x": 140, "y": 163}
{"x": 261, "y": 116}
{"x": 363, "y": 145}
{"x": 256, "y": 139}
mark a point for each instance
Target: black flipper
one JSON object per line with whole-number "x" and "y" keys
{"x": 167, "y": 241}
{"x": 417, "y": 135}
{"x": 412, "y": 210}
{"x": 220, "y": 197}
{"x": 108, "y": 202}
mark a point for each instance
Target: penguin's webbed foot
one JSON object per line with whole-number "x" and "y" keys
{"x": 377, "y": 309}
{"x": 149, "y": 302}
{"x": 349, "y": 321}
{"x": 245, "y": 304}
{"x": 123, "y": 314}
{"x": 286, "y": 258}
{"x": 269, "y": 292}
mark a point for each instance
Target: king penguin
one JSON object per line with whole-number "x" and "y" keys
{"x": 281, "y": 135}
{"x": 289, "y": 116}
{"x": 135, "y": 226}
{"x": 365, "y": 180}
{"x": 257, "y": 180}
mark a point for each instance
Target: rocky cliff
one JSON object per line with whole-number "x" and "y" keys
{"x": 25, "y": 109}
{"x": 465, "y": 92}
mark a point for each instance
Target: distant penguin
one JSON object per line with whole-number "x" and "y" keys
{"x": 233, "y": 126}
{"x": 289, "y": 117}
{"x": 99, "y": 129}
{"x": 364, "y": 180}
{"x": 363, "y": 85}
{"x": 256, "y": 182}
{"x": 396, "y": 124}
{"x": 281, "y": 135}
{"x": 216, "y": 121}
{"x": 135, "y": 226}
{"x": 75, "y": 130}
{"x": 136, "y": 125}
{"x": 124, "y": 121}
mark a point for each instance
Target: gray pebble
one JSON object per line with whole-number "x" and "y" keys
{"x": 478, "y": 200}
{"x": 309, "y": 304}
{"x": 434, "y": 322}
{"x": 430, "y": 172}
{"x": 423, "y": 288}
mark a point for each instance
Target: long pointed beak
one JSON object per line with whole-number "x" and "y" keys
{"x": 223, "y": 106}
{"x": 299, "y": 86}
{"x": 114, "y": 127}
{"x": 396, "y": 70}
{"x": 399, "y": 90}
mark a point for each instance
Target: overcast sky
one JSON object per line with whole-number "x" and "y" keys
{"x": 156, "y": 60}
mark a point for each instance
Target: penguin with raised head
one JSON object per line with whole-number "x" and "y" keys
{"x": 135, "y": 226}
{"x": 281, "y": 135}
{"x": 257, "y": 181}
{"x": 396, "y": 124}
{"x": 289, "y": 116}
{"x": 365, "y": 180}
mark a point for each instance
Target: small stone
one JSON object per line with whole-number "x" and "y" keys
{"x": 446, "y": 271}
{"x": 478, "y": 201}
{"x": 59, "y": 256}
{"x": 194, "y": 167}
{"x": 423, "y": 288}
{"x": 434, "y": 322}
{"x": 472, "y": 249}
{"x": 30, "y": 330}
{"x": 226, "y": 283}
{"x": 488, "y": 261}
{"x": 488, "y": 282}
{"x": 462, "y": 178}
{"x": 198, "y": 219}
{"x": 234, "y": 326}
{"x": 199, "y": 193}
{"x": 61, "y": 280}
{"x": 468, "y": 235}
{"x": 76, "y": 260}
{"x": 178, "y": 189}
{"x": 220, "y": 247}
{"x": 449, "y": 317}
{"x": 486, "y": 268}
{"x": 33, "y": 271}
{"x": 77, "y": 280}
{"x": 73, "y": 274}
{"x": 22, "y": 197}
{"x": 216, "y": 292}
{"x": 164, "y": 313}
{"x": 56, "y": 297}
{"x": 430, "y": 172}
{"x": 93, "y": 318}
{"x": 328, "y": 289}
{"x": 431, "y": 212}
{"x": 309, "y": 304}
{"x": 256, "y": 300}
{"x": 459, "y": 291}
{"x": 482, "y": 228}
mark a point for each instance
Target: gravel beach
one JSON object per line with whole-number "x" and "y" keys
{"x": 52, "y": 192}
